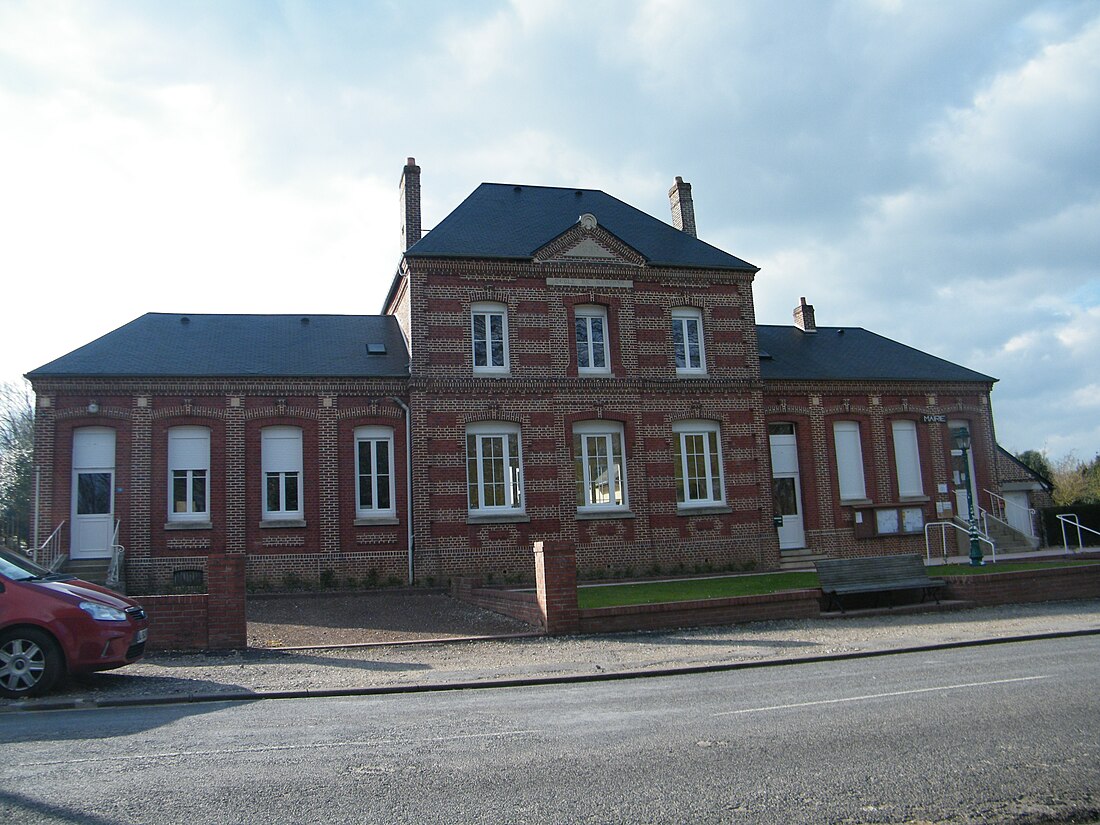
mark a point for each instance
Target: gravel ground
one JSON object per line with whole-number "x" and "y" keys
{"x": 322, "y": 619}
{"x": 163, "y": 675}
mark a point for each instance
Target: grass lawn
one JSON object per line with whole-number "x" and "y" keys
{"x": 686, "y": 590}
{"x": 616, "y": 595}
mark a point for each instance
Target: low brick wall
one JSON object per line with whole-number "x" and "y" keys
{"x": 214, "y": 620}
{"x": 522, "y": 605}
{"x": 791, "y": 604}
{"x": 1057, "y": 584}
{"x": 177, "y": 622}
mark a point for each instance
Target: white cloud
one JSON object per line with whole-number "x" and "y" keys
{"x": 928, "y": 171}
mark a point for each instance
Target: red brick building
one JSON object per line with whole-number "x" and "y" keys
{"x": 551, "y": 364}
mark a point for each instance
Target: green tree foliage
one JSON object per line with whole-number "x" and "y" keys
{"x": 1076, "y": 481}
{"x": 16, "y": 461}
{"x": 1037, "y": 461}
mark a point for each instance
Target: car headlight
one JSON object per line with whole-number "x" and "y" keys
{"x": 102, "y": 612}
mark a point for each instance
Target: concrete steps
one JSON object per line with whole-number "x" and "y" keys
{"x": 1009, "y": 540}
{"x": 802, "y": 558}
{"x": 91, "y": 570}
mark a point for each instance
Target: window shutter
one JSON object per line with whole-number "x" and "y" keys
{"x": 849, "y": 460}
{"x": 189, "y": 448}
{"x": 282, "y": 450}
{"x": 907, "y": 457}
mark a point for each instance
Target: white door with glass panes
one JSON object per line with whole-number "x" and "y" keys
{"x": 786, "y": 487}
{"x": 93, "y": 493}
{"x": 958, "y": 473}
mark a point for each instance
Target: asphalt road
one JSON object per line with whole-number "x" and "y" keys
{"x": 1001, "y": 734}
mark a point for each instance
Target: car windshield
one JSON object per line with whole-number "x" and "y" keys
{"x": 20, "y": 568}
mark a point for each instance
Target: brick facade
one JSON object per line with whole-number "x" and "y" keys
{"x": 330, "y": 537}
{"x": 542, "y": 397}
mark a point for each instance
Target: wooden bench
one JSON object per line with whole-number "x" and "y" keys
{"x": 875, "y": 574}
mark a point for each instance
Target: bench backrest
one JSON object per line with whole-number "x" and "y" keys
{"x": 870, "y": 570}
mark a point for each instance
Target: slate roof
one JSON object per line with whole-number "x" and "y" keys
{"x": 277, "y": 346}
{"x": 500, "y": 220}
{"x": 850, "y": 354}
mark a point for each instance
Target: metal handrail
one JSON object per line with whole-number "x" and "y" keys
{"x": 999, "y": 511}
{"x": 943, "y": 525}
{"x": 1073, "y": 520}
{"x": 115, "y": 569}
{"x": 50, "y": 545}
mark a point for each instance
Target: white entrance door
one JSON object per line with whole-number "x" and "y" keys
{"x": 958, "y": 470}
{"x": 1017, "y": 511}
{"x": 93, "y": 493}
{"x": 786, "y": 488}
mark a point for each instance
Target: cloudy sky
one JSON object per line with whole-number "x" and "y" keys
{"x": 927, "y": 170}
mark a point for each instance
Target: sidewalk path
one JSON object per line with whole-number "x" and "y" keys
{"x": 165, "y": 677}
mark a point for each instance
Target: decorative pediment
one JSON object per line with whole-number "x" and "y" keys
{"x": 588, "y": 242}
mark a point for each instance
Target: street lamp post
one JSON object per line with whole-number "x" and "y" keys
{"x": 961, "y": 437}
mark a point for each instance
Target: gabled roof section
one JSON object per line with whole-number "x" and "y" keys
{"x": 162, "y": 345}
{"x": 501, "y": 220}
{"x": 1010, "y": 469}
{"x": 850, "y": 354}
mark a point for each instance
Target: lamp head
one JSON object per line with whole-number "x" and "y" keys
{"x": 961, "y": 437}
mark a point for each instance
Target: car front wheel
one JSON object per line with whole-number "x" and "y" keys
{"x": 30, "y": 663}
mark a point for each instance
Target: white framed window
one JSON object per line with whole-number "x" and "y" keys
{"x": 907, "y": 458}
{"x": 494, "y": 468}
{"x": 374, "y": 472}
{"x": 600, "y": 465}
{"x": 281, "y": 460}
{"x": 590, "y": 326}
{"x": 699, "y": 464}
{"x": 687, "y": 341}
{"x": 489, "y": 331}
{"x": 849, "y": 461}
{"x": 189, "y": 474}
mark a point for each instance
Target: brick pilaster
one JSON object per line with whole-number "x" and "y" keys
{"x": 235, "y": 476}
{"x": 328, "y": 468}
{"x": 141, "y": 468}
{"x": 45, "y": 427}
{"x": 823, "y": 475}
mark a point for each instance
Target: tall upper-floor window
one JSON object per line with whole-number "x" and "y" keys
{"x": 687, "y": 341}
{"x": 374, "y": 472}
{"x": 600, "y": 465}
{"x": 907, "y": 458}
{"x": 281, "y": 459}
{"x": 188, "y": 474}
{"x": 699, "y": 463}
{"x": 849, "y": 461}
{"x": 489, "y": 328}
{"x": 494, "y": 469}
{"x": 590, "y": 325}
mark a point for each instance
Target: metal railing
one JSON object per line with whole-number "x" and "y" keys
{"x": 1072, "y": 520}
{"x": 115, "y": 570}
{"x": 943, "y": 525}
{"x": 1000, "y": 507}
{"x": 50, "y": 547}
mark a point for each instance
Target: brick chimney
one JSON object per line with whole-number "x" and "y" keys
{"x": 804, "y": 316}
{"x": 410, "y": 204}
{"x": 683, "y": 210}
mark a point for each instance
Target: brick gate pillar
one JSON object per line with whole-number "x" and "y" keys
{"x": 556, "y": 586}
{"x": 227, "y": 626}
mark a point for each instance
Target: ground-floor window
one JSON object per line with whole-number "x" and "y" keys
{"x": 281, "y": 449}
{"x": 698, "y": 464}
{"x": 494, "y": 475}
{"x": 600, "y": 465}
{"x": 188, "y": 474}
{"x": 374, "y": 472}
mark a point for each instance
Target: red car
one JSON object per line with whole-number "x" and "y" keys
{"x": 52, "y": 625}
